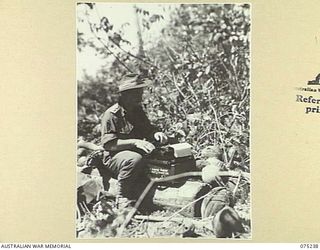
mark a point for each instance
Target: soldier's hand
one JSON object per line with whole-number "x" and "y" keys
{"x": 161, "y": 137}
{"x": 145, "y": 146}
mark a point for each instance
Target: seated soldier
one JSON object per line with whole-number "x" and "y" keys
{"x": 126, "y": 136}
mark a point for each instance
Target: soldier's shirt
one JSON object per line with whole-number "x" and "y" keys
{"x": 117, "y": 123}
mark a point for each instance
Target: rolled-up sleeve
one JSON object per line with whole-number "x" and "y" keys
{"x": 108, "y": 128}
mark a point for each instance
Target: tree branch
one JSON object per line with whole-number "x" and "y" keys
{"x": 219, "y": 130}
{"x": 130, "y": 54}
{"x": 104, "y": 45}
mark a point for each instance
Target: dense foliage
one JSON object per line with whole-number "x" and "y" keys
{"x": 200, "y": 68}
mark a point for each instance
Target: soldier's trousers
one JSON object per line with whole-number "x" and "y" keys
{"x": 128, "y": 168}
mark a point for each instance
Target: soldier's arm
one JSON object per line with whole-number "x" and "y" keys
{"x": 127, "y": 144}
{"x": 148, "y": 128}
{"x": 119, "y": 144}
{"x": 152, "y": 132}
{"x": 111, "y": 142}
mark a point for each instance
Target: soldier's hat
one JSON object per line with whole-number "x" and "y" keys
{"x": 133, "y": 81}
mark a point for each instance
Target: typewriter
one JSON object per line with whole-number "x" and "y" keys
{"x": 170, "y": 160}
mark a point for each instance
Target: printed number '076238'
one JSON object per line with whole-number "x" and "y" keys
{"x": 306, "y": 246}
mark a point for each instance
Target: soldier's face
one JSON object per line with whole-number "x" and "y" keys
{"x": 134, "y": 96}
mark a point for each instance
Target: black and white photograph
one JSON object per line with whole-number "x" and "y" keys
{"x": 163, "y": 120}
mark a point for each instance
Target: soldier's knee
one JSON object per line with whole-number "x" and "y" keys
{"x": 131, "y": 166}
{"x": 134, "y": 158}
{"x": 129, "y": 158}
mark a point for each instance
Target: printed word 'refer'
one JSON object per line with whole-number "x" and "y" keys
{"x": 311, "y": 100}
